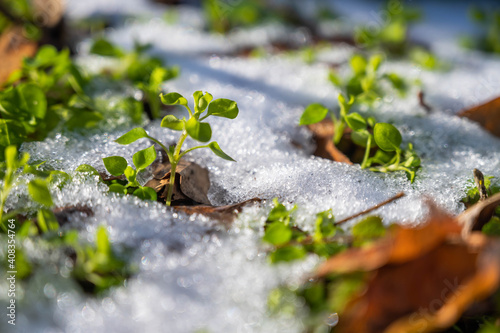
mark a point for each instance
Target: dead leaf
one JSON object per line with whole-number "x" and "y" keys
{"x": 65, "y": 214}
{"x": 191, "y": 183}
{"x": 325, "y": 148}
{"x": 487, "y": 115}
{"x": 14, "y": 47}
{"x": 418, "y": 279}
{"x": 224, "y": 214}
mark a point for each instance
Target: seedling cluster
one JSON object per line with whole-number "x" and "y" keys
{"x": 193, "y": 126}
{"x": 367, "y": 133}
{"x": 365, "y": 81}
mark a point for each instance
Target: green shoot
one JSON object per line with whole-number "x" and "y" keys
{"x": 117, "y": 166}
{"x": 489, "y": 39}
{"x": 367, "y": 133}
{"x": 194, "y": 127}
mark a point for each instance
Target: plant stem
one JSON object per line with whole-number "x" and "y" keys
{"x": 173, "y": 166}
{"x": 339, "y": 130}
{"x": 367, "y": 152}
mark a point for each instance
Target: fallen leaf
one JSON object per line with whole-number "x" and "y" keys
{"x": 418, "y": 279}
{"x": 322, "y": 134}
{"x": 487, "y": 115}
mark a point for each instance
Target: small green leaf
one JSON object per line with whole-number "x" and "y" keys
{"x": 387, "y": 136}
{"x": 358, "y": 64}
{"x": 102, "y": 241}
{"x": 198, "y": 130}
{"x": 132, "y": 135}
{"x": 277, "y": 233}
{"x": 104, "y": 48}
{"x": 32, "y": 99}
{"x": 313, "y": 114}
{"x": 214, "y": 146}
{"x": 117, "y": 188}
{"x": 115, "y": 165}
{"x": 355, "y": 121}
{"x": 145, "y": 193}
{"x": 375, "y": 61}
{"x": 201, "y": 101}
{"x": 11, "y": 157}
{"x": 172, "y": 122}
{"x": 361, "y": 138}
{"x": 223, "y": 107}
{"x": 39, "y": 191}
{"x": 368, "y": 229}
{"x": 492, "y": 228}
{"x": 143, "y": 158}
{"x": 334, "y": 78}
{"x": 279, "y": 212}
{"x": 173, "y": 99}
{"x": 47, "y": 220}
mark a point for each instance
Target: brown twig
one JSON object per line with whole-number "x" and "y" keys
{"x": 396, "y": 197}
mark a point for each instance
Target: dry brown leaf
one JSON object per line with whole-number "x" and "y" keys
{"x": 487, "y": 115}
{"x": 14, "y": 47}
{"x": 419, "y": 279}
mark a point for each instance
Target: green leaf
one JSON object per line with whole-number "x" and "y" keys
{"x": 11, "y": 157}
{"x": 334, "y": 78}
{"x": 145, "y": 193}
{"x": 287, "y": 254}
{"x": 358, "y": 64}
{"x": 115, "y": 165}
{"x": 117, "y": 188}
{"x": 173, "y": 123}
{"x": 201, "y": 101}
{"x": 198, "y": 130}
{"x": 223, "y": 107}
{"x": 47, "y": 220}
{"x": 173, "y": 99}
{"x": 277, "y": 233}
{"x": 39, "y": 191}
{"x": 355, "y": 121}
{"x": 32, "y": 100}
{"x": 325, "y": 225}
{"x": 143, "y": 158}
{"x": 361, "y": 138}
{"x": 387, "y": 136}
{"x": 132, "y": 135}
{"x": 11, "y": 132}
{"x": 313, "y": 114}
{"x": 214, "y": 146}
{"x": 102, "y": 241}
{"x": 375, "y": 61}
{"x": 87, "y": 168}
{"x": 82, "y": 118}
{"x": 131, "y": 175}
{"x": 279, "y": 212}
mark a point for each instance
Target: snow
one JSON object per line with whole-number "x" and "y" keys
{"x": 193, "y": 274}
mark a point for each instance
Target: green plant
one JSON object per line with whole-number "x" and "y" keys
{"x": 364, "y": 82}
{"x": 194, "y": 127}
{"x": 20, "y": 12}
{"x": 144, "y": 72}
{"x": 117, "y": 166}
{"x": 489, "y": 39}
{"x": 97, "y": 267}
{"x": 367, "y": 133}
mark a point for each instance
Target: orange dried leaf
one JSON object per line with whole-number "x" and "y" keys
{"x": 487, "y": 115}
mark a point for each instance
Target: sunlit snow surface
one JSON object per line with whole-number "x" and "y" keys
{"x": 195, "y": 275}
